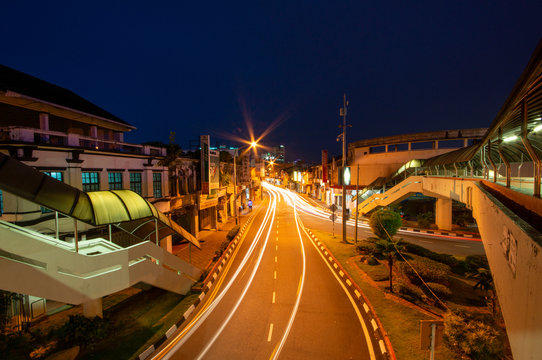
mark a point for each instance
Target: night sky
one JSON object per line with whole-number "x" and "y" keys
{"x": 203, "y": 67}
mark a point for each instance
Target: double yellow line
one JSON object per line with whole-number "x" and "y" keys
{"x": 210, "y": 297}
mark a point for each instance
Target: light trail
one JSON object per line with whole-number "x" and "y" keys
{"x": 204, "y": 313}
{"x": 249, "y": 282}
{"x": 293, "y": 314}
{"x": 295, "y": 201}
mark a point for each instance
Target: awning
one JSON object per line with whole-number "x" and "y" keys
{"x": 124, "y": 208}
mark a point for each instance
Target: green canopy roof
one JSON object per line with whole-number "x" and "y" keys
{"x": 124, "y": 208}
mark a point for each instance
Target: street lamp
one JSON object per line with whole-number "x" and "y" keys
{"x": 252, "y": 145}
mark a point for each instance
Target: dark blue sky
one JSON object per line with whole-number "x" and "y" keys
{"x": 189, "y": 66}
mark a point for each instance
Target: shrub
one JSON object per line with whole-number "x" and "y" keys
{"x": 372, "y": 260}
{"x": 442, "y": 291}
{"x": 408, "y": 291}
{"x": 457, "y": 266}
{"x": 385, "y": 223}
{"x": 429, "y": 270}
{"x": 231, "y": 234}
{"x": 221, "y": 249}
{"x": 474, "y": 338}
{"x": 477, "y": 261}
{"x": 83, "y": 331}
{"x": 366, "y": 247}
{"x": 425, "y": 220}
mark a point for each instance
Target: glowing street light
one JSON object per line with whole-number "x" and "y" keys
{"x": 251, "y": 145}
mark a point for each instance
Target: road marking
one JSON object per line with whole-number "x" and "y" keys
{"x": 348, "y": 282}
{"x": 341, "y": 273}
{"x": 274, "y": 294}
{"x": 270, "y": 333}
{"x": 373, "y": 322}
{"x": 382, "y": 346}
{"x": 275, "y": 275}
{"x": 335, "y": 265}
{"x": 276, "y": 259}
{"x": 365, "y": 307}
{"x": 357, "y": 294}
{"x": 277, "y": 247}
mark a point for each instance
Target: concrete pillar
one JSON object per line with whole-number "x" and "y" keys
{"x": 194, "y": 223}
{"x": 93, "y": 308}
{"x": 44, "y": 121}
{"x": 74, "y": 177}
{"x": 146, "y": 183}
{"x": 443, "y": 214}
{"x": 214, "y": 217}
{"x": 167, "y": 244}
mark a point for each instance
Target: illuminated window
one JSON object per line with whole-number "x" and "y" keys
{"x": 135, "y": 182}
{"x": 157, "y": 185}
{"x": 115, "y": 180}
{"x": 91, "y": 181}
{"x": 55, "y": 175}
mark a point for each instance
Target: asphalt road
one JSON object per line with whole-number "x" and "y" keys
{"x": 314, "y": 218}
{"x": 276, "y": 298}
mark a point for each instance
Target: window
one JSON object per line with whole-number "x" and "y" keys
{"x": 55, "y": 175}
{"x": 135, "y": 182}
{"x": 157, "y": 184}
{"x": 91, "y": 181}
{"x": 115, "y": 180}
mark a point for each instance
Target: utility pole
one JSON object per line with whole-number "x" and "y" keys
{"x": 343, "y": 114}
{"x": 357, "y": 203}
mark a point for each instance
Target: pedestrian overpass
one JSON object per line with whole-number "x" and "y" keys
{"x": 82, "y": 271}
{"x": 499, "y": 179}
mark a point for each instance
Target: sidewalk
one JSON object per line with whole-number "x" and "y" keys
{"x": 210, "y": 241}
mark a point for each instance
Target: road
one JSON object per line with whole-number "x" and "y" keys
{"x": 314, "y": 217}
{"x": 277, "y": 297}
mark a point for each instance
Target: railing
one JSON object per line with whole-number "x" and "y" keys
{"x": 47, "y": 137}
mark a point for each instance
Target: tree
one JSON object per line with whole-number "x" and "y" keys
{"x": 170, "y": 160}
{"x": 385, "y": 224}
{"x": 485, "y": 282}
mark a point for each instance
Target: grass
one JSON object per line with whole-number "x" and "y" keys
{"x": 402, "y": 323}
{"x": 138, "y": 322}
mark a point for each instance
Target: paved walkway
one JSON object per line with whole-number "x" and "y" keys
{"x": 210, "y": 241}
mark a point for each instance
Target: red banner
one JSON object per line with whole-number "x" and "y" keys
{"x": 324, "y": 166}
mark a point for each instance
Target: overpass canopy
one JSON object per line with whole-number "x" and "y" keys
{"x": 124, "y": 208}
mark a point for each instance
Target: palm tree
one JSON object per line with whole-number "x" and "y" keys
{"x": 485, "y": 282}
{"x": 385, "y": 224}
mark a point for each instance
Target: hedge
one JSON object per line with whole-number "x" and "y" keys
{"x": 408, "y": 291}
{"x": 367, "y": 247}
{"x": 231, "y": 234}
{"x": 457, "y": 266}
{"x": 442, "y": 291}
{"x": 429, "y": 270}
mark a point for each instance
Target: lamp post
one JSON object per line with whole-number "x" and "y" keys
{"x": 236, "y": 210}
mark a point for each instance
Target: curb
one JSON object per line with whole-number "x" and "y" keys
{"x": 369, "y": 313}
{"x": 208, "y": 282}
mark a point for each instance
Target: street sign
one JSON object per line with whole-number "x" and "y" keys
{"x": 333, "y": 207}
{"x": 332, "y": 217}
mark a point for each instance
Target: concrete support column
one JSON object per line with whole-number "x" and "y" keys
{"x": 167, "y": 244}
{"x": 93, "y": 308}
{"x": 214, "y": 217}
{"x": 443, "y": 214}
{"x": 74, "y": 177}
{"x": 194, "y": 223}
{"x": 146, "y": 184}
